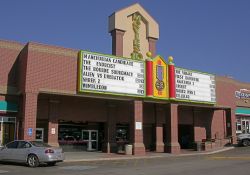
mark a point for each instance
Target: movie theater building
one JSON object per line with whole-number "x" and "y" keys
{"x": 87, "y": 101}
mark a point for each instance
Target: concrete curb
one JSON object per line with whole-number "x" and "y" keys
{"x": 147, "y": 157}
{"x": 207, "y": 153}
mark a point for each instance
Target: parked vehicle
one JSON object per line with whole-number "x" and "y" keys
{"x": 243, "y": 139}
{"x": 31, "y": 152}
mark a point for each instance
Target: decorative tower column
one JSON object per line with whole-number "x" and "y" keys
{"x": 171, "y": 77}
{"x": 149, "y": 75}
{"x": 117, "y": 42}
{"x": 152, "y": 45}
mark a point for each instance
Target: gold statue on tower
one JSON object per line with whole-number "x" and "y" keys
{"x": 136, "y": 42}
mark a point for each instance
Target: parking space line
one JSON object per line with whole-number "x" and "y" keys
{"x": 2, "y": 171}
{"x": 228, "y": 158}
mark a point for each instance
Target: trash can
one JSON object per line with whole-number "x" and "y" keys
{"x": 128, "y": 149}
{"x": 198, "y": 146}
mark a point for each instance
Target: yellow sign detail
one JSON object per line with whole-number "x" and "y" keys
{"x": 160, "y": 78}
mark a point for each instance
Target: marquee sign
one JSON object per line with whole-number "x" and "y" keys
{"x": 194, "y": 86}
{"x": 109, "y": 74}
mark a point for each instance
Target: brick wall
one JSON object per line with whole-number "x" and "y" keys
{"x": 76, "y": 109}
{"x": 82, "y": 109}
{"x": 218, "y": 125}
{"x": 149, "y": 113}
{"x": 9, "y": 52}
{"x": 22, "y": 68}
{"x": 225, "y": 92}
{"x": 185, "y": 115}
{"x": 225, "y": 89}
{"x": 51, "y": 68}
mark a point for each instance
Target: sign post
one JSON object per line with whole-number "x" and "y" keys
{"x": 30, "y": 131}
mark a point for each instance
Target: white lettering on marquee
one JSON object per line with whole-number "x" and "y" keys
{"x": 111, "y": 74}
{"x": 194, "y": 86}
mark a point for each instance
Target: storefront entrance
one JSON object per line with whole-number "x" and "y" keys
{"x": 242, "y": 125}
{"x": 91, "y": 138}
{"x": 245, "y": 126}
{"x": 7, "y": 129}
{"x": 74, "y": 137}
{"x": 186, "y": 136}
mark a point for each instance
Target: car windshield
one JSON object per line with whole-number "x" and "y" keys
{"x": 39, "y": 144}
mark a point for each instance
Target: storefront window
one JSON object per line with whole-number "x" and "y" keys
{"x": 70, "y": 137}
{"x": 80, "y": 136}
{"x": 7, "y": 131}
{"x": 247, "y": 127}
{"x": 238, "y": 126}
{"x": 122, "y": 133}
{"x": 243, "y": 127}
{"x": 39, "y": 134}
{"x": 242, "y": 124}
{"x": 122, "y": 137}
{"x": 69, "y": 133}
{"x": 85, "y": 135}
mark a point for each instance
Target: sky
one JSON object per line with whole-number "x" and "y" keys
{"x": 206, "y": 35}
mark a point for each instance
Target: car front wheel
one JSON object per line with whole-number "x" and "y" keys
{"x": 246, "y": 142}
{"x": 32, "y": 161}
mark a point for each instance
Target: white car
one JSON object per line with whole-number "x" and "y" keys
{"x": 31, "y": 152}
{"x": 243, "y": 139}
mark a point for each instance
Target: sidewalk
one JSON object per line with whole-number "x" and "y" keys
{"x": 100, "y": 156}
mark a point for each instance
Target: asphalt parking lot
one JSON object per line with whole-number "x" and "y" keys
{"x": 229, "y": 163}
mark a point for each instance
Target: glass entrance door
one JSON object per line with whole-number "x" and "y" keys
{"x": 245, "y": 126}
{"x": 91, "y": 137}
{"x": 7, "y": 129}
{"x": 8, "y": 132}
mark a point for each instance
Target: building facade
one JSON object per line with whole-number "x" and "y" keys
{"x": 86, "y": 101}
